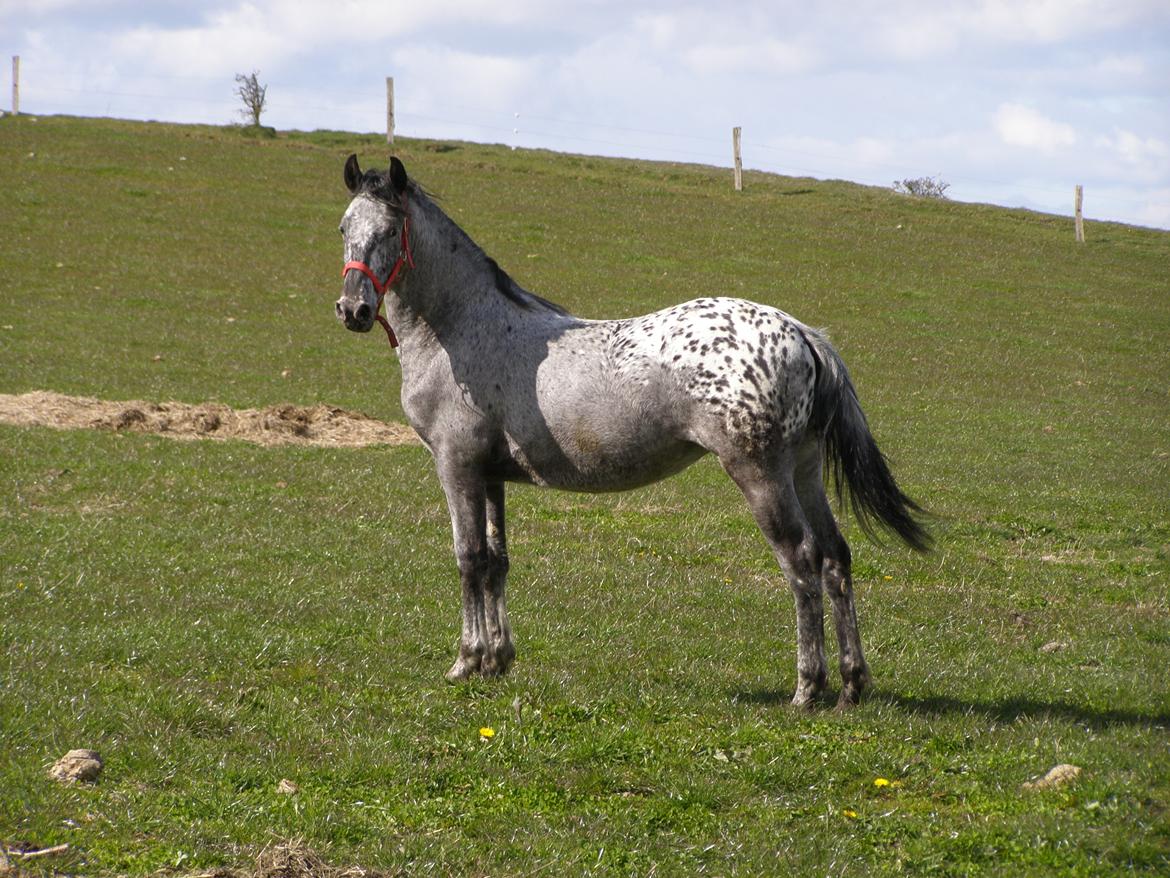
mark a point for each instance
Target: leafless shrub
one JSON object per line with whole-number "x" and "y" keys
{"x": 922, "y": 187}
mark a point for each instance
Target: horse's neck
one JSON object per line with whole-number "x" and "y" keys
{"x": 451, "y": 286}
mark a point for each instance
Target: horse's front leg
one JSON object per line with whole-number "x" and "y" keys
{"x": 500, "y": 651}
{"x": 467, "y": 504}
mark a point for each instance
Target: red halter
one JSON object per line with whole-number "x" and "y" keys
{"x": 404, "y": 258}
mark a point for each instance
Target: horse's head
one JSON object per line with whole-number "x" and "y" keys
{"x": 375, "y": 233}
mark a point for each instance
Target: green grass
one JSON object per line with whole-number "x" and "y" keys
{"x": 214, "y": 617}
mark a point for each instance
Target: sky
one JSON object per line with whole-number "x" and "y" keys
{"x": 1010, "y": 102}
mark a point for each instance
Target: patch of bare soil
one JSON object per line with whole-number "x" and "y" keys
{"x": 276, "y": 425}
{"x": 292, "y": 860}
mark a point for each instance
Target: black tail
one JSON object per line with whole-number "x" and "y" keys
{"x": 852, "y": 455}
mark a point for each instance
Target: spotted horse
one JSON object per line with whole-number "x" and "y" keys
{"x": 505, "y": 386}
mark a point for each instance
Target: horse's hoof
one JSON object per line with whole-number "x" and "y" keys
{"x": 505, "y": 655}
{"x": 461, "y": 671}
{"x": 803, "y": 701}
{"x": 847, "y": 701}
{"x": 855, "y": 682}
{"x": 489, "y": 667}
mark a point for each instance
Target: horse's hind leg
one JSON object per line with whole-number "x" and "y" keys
{"x": 836, "y": 573}
{"x": 772, "y": 498}
{"x": 500, "y": 651}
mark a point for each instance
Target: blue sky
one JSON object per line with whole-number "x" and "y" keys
{"x": 1011, "y": 102}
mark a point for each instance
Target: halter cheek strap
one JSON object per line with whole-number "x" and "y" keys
{"x": 405, "y": 259}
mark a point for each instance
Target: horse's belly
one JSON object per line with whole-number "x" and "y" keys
{"x": 582, "y": 454}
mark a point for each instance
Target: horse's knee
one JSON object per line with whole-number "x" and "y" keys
{"x": 497, "y": 564}
{"x": 472, "y": 562}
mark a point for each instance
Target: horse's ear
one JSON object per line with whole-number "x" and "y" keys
{"x": 353, "y": 175}
{"x": 397, "y": 174}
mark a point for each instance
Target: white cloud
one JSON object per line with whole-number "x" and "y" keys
{"x": 1135, "y": 158}
{"x": 765, "y": 56}
{"x": 915, "y": 30}
{"x": 1018, "y": 125}
{"x": 1138, "y": 150}
{"x": 1127, "y": 65}
{"x": 269, "y": 33}
{"x": 450, "y": 76}
{"x": 1156, "y": 210}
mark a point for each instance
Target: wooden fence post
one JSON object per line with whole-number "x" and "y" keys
{"x": 15, "y": 85}
{"x": 390, "y": 109}
{"x": 738, "y": 160}
{"x": 1080, "y": 219}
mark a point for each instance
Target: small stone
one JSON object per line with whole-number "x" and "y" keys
{"x": 77, "y": 765}
{"x": 1053, "y": 646}
{"x": 1057, "y": 776}
{"x": 287, "y": 788}
{"x": 284, "y": 373}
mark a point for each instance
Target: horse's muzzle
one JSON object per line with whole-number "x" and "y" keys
{"x": 359, "y": 318}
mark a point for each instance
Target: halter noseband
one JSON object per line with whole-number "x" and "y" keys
{"x": 404, "y": 259}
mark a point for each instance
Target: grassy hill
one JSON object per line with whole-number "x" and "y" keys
{"x": 215, "y": 617}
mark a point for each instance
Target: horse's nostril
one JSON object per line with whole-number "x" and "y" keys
{"x": 362, "y": 314}
{"x": 337, "y": 308}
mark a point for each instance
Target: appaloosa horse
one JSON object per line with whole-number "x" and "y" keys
{"x": 503, "y": 385}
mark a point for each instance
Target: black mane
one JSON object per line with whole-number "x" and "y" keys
{"x": 377, "y": 184}
{"x": 513, "y": 292}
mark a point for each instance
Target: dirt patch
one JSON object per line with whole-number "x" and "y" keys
{"x": 276, "y": 425}
{"x": 1057, "y": 776}
{"x": 292, "y": 859}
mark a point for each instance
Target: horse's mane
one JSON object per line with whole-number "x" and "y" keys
{"x": 377, "y": 184}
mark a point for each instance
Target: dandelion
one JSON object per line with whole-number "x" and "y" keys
{"x": 850, "y": 813}
{"x": 487, "y": 733}
{"x": 888, "y": 578}
{"x": 880, "y": 782}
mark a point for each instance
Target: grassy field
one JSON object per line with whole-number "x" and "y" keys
{"x": 216, "y": 617}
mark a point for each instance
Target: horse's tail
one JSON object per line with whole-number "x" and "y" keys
{"x": 852, "y": 455}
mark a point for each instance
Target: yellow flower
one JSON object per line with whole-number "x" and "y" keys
{"x": 850, "y": 813}
{"x": 888, "y": 578}
{"x": 487, "y": 732}
{"x": 880, "y": 782}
